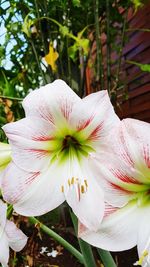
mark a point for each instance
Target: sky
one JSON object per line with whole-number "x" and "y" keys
{"x": 7, "y": 64}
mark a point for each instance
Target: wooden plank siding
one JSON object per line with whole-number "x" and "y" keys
{"x": 138, "y": 83}
{"x": 136, "y": 104}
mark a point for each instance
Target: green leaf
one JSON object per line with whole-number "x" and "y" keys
{"x": 76, "y": 3}
{"x": 72, "y": 51}
{"x": 137, "y": 4}
{"x": 7, "y": 87}
{"x": 84, "y": 44}
{"x": 143, "y": 67}
{"x": 26, "y": 27}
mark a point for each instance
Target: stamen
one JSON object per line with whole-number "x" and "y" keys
{"x": 78, "y": 187}
{"x": 69, "y": 182}
{"x": 86, "y": 184}
{"x": 62, "y": 189}
{"x": 72, "y": 180}
{"x": 82, "y": 189}
{"x": 142, "y": 258}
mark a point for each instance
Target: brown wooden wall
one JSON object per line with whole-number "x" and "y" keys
{"x": 136, "y": 83}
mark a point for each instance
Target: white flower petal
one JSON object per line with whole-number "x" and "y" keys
{"x": 95, "y": 117}
{"x": 134, "y": 147}
{"x": 4, "y": 250}
{"x": 89, "y": 207}
{"x": 84, "y": 195}
{"x": 103, "y": 165}
{"x": 51, "y": 102}
{"x": 3, "y": 212}
{"x": 16, "y": 238}
{"x": 143, "y": 243}
{"x": 32, "y": 193}
{"x": 118, "y": 230}
{"x": 30, "y": 141}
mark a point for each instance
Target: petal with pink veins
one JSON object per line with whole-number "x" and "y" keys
{"x": 90, "y": 117}
{"x": 103, "y": 168}
{"x": 133, "y": 147}
{"x": 118, "y": 231}
{"x": 32, "y": 193}
{"x": 53, "y": 102}
{"x": 31, "y": 141}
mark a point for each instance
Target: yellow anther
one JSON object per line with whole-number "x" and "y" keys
{"x": 86, "y": 184}
{"x": 145, "y": 253}
{"x": 69, "y": 183}
{"x": 62, "y": 189}
{"x": 72, "y": 180}
{"x": 82, "y": 189}
{"x": 141, "y": 259}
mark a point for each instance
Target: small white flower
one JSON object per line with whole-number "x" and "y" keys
{"x": 43, "y": 250}
{"x": 53, "y": 254}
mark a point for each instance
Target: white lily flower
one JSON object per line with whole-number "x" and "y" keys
{"x": 52, "y": 149}
{"x": 10, "y": 236}
{"x": 127, "y": 185}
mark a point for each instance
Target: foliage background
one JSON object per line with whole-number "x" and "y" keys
{"x": 44, "y": 40}
{"x": 49, "y": 39}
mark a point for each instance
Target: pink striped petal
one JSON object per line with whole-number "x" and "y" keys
{"x": 53, "y": 102}
{"x": 136, "y": 139}
{"x": 30, "y": 140}
{"x": 32, "y": 193}
{"x": 132, "y": 147}
{"x": 103, "y": 169}
{"x": 13, "y": 187}
{"x": 118, "y": 230}
{"x": 95, "y": 117}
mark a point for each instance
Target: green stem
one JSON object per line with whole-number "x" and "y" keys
{"x": 58, "y": 238}
{"x": 106, "y": 258}
{"x": 11, "y": 98}
{"x": 86, "y": 249}
{"x": 9, "y": 211}
{"x": 87, "y": 254}
{"x": 70, "y": 35}
{"x": 38, "y": 62}
{"x": 69, "y": 63}
{"x": 99, "y": 72}
{"x": 42, "y": 37}
{"x": 137, "y": 29}
{"x": 121, "y": 47}
{"x": 108, "y": 46}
